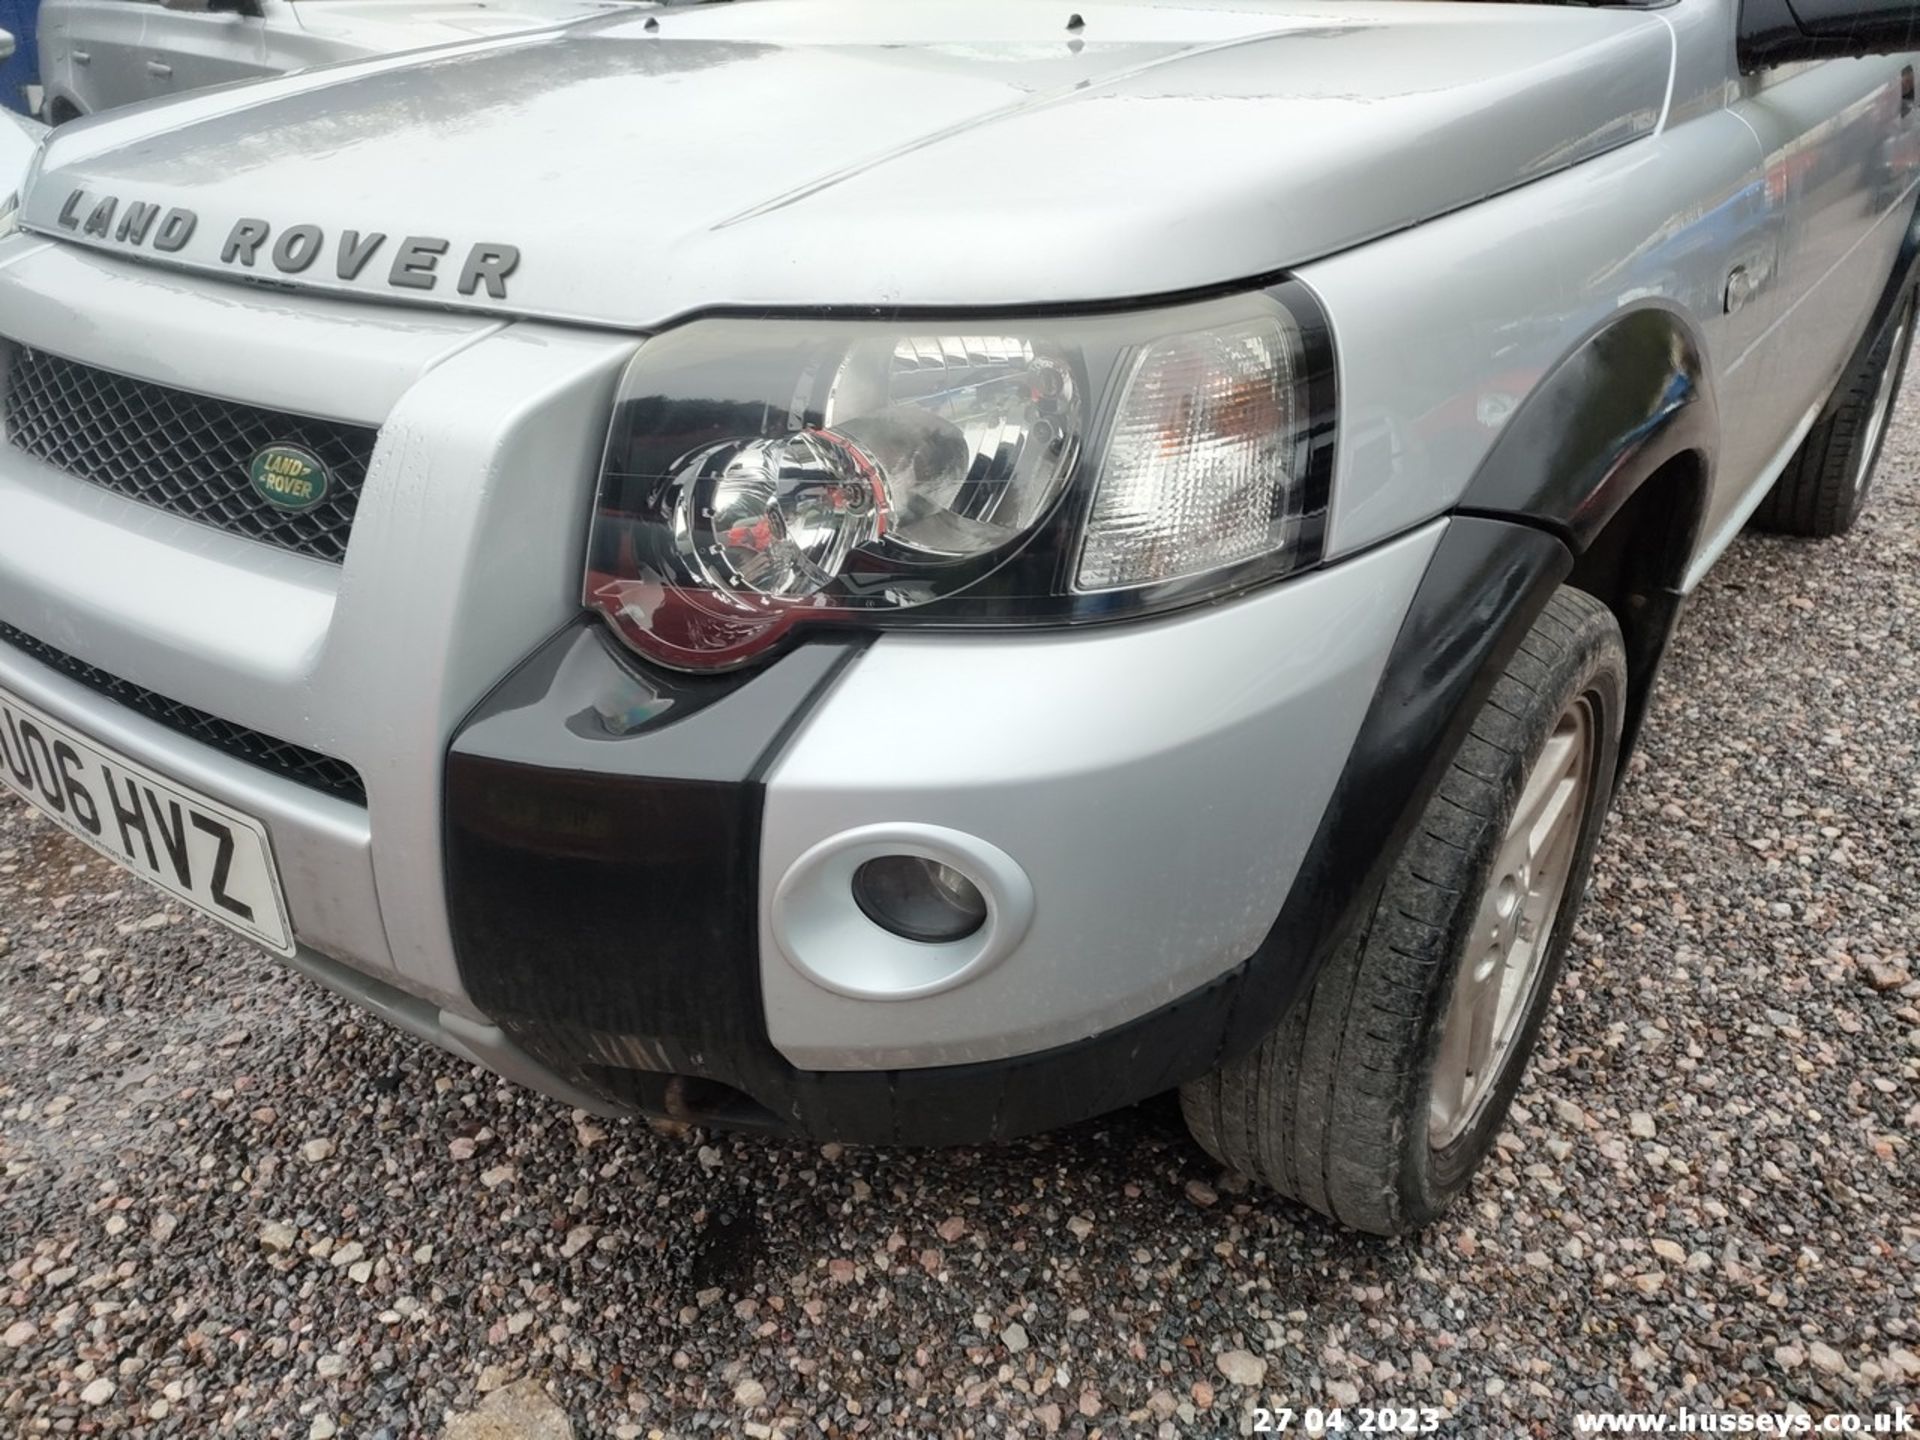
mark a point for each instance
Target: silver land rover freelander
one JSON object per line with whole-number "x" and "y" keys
{"x": 914, "y": 572}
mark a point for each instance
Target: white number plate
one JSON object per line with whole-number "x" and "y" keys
{"x": 215, "y": 859}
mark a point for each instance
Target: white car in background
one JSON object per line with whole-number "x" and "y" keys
{"x": 96, "y": 54}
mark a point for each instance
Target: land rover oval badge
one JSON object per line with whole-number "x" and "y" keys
{"x": 289, "y": 477}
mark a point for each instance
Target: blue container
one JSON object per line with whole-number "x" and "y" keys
{"x": 20, "y": 18}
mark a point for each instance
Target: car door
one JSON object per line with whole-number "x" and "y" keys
{"x": 1836, "y": 139}
{"x": 92, "y": 48}
{"x": 188, "y": 50}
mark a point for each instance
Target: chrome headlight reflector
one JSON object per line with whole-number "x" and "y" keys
{"x": 770, "y": 473}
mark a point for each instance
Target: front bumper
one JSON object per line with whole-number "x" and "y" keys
{"x": 613, "y": 878}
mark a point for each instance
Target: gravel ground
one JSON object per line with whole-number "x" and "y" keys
{"x": 232, "y": 1206}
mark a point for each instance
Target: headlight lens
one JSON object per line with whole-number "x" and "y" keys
{"x": 975, "y": 434}
{"x": 764, "y": 474}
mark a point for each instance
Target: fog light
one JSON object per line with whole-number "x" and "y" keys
{"x": 919, "y": 899}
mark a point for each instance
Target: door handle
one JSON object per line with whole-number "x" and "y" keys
{"x": 82, "y": 57}
{"x": 1742, "y": 286}
{"x": 160, "y": 70}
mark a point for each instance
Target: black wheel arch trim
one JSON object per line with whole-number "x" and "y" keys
{"x": 1630, "y": 400}
{"x": 1628, "y": 419}
{"x": 1487, "y": 582}
{"x": 1631, "y": 397}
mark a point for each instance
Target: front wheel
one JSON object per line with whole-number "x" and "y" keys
{"x": 1378, "y": 1095}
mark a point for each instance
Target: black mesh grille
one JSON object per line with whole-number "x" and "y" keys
{"x": 186, "y": 453}
{"x": 295, "y": 762}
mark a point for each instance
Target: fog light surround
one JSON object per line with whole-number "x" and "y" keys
{"x": 883, "y": 912}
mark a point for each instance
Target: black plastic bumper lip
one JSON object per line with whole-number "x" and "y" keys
{"x": 602, "y": 864}
{"x": 602, "y": 833}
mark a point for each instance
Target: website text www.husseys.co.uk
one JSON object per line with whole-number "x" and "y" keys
{"x": 1899, "y": 1421}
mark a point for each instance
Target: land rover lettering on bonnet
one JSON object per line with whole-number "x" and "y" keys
{"x": 414, "y": 263}
{"x": 984, "y": 569}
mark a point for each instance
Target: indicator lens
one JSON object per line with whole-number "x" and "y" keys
{"x": 1201, "y": 466}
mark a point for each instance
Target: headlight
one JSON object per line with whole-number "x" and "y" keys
{"x": 769, "y": 473}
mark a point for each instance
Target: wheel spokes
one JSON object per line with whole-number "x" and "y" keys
{"x": 1547, "y": 803}
{"x": 1509, "y": 941}
{"x": 1467, "y": 1043}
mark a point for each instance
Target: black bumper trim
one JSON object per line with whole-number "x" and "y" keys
{"x": 602, "y": 840}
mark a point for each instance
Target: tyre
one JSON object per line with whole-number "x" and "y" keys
{"x": 1824, "y": 487}
{"x": 1375, "y": 1098}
